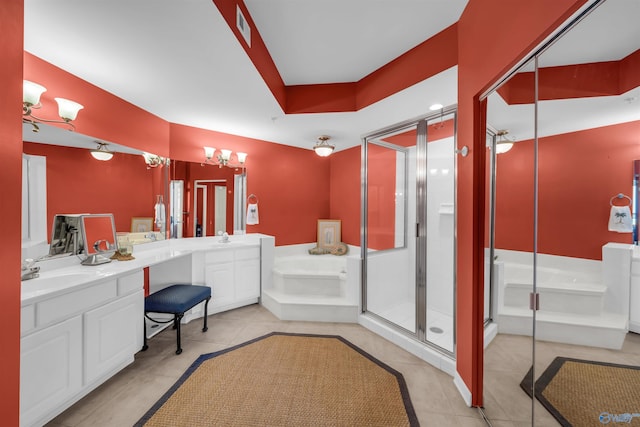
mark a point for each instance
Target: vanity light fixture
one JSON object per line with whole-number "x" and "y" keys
{"x": 31, "y": 92}
{"x": 153, "y": 160}
{"x": 503, "y": 144}
{"x": 102, "y": 152}
{"x": 224, "y": 158}
{"x": 322, "y": 147}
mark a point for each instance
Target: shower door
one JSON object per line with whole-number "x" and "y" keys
{"x": 408, "y": 228}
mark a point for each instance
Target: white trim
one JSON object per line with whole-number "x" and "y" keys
{"x": 462, "y": 388}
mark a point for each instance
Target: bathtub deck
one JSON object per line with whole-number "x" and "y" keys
{"x": 309, "y": 308}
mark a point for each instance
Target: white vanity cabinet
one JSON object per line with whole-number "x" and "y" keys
{"x": 247, "y": 273}
{"x": 50, "y": 369}
{"x": 74, "y": 341}
{"x": 233, "y": 273}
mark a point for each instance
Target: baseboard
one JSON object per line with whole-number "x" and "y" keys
{"x": 462, "y": 388}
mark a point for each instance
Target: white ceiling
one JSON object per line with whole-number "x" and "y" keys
{"x": 180, "y": 61}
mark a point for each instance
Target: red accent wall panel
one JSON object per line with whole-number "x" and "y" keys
{"x": 327, "y": 98}
{"x": 11, "y": 42}
{"x": 630, "y": 72}
{"x": 484, "y": 55}
{"x": 104, "y": 116}
{"x": 574, "y": 81}
{"x": 381, "y": 187}
{"x": 345, "y": 182}
{"x": 573, "y": 194}
{"x": 75, "y": 181}
{"x": 429, "y": 58}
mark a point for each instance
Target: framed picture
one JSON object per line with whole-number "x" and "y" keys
{"x": 141, "y": 224}
{"x": 328, "y": 233}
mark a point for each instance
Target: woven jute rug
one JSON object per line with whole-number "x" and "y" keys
{"x": 286, "y": 380}
{"x": 585, "y": 393}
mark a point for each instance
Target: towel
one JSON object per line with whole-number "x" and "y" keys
{"x": 252, "y": 214}
{"x": 159, "y": 214}
{"x": 620, "y": 219}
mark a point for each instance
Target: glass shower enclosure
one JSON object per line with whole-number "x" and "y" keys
{"x": 408, "y": 235}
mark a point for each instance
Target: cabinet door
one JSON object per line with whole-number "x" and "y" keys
{"x": 112, "y": 335}
{"x": 220, "y": 277}
{"x": 247, "y": 279}
{"x": 634, "y": 304}
{"x": 50, "y": 370}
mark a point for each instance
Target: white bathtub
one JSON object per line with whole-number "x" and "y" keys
{"x": 321, "y": 275}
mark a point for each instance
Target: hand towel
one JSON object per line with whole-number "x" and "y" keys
{"x": 252, "y": 214}
{"x": 159, "y": 214}
{"x": 620, "y": 219}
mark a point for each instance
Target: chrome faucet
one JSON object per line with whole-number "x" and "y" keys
{"x": 28, "y": 270}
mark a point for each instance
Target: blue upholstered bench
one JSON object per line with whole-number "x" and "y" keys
{"x": 176, "y": 300}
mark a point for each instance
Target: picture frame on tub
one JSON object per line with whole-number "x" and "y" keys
{"x": 329, "y": 233}
{"x": 141, "y": 224}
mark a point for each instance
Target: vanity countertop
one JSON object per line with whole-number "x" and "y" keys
{"x": 64, "y": 275}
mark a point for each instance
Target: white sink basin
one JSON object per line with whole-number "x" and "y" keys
{"x": 56, "y": 279}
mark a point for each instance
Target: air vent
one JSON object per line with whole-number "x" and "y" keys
{"x": 243, "y": 26}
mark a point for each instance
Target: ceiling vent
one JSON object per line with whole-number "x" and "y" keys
{"x": 243, "y": 26}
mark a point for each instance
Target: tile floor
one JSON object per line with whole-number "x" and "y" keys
{"x": 123, "y": 399}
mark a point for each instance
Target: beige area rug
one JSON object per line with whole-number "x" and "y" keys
{"x": 584, "y": 393}
{"x": 286, "y": 380}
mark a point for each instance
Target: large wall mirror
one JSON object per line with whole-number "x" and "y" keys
{"x": 77, "y": 183}
{"x": 206, "y": 199}
{"x": 199, "y": 199}
{"x": 572, "y": 118}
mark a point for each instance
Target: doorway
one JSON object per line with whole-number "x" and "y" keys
{"x": 210, "y": 205}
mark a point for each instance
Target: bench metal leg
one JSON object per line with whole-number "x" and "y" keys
{"x": 206, "y": 305}
{"x": 177, "y": 319}
{"x": 144, "y": 334}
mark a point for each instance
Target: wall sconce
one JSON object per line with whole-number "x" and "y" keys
{"x": 31, "y": 92}
{"x": 153, "y": 160}
{"x": 503, "y": 144}
{"x": 102, "y": 152}
{"x": 224, "y": 158}
{"x": 322, "y": 147}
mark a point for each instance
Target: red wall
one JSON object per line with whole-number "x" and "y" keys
{"x": 12, "y": 24}
{"x": 104, "y": 116}
{"x": 381, "y": 190}
{"x": 344, "y": 192}
{"x": 579, "y": 172}
{"x": 78, "y": 183}
{"x": 484, "y": 55}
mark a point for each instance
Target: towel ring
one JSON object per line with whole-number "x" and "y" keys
{"x": 620, "y": 196}
{"x": 252, "y": 199}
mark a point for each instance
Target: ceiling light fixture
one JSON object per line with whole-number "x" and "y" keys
{"x": 435, "y": 107}
{"x": 102, "y": 152}
{"x": 503, "y": 144}
{"x": 31, "y": 92}
{"x": 322, "y": 147}
{"x": 224, "y": 158}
